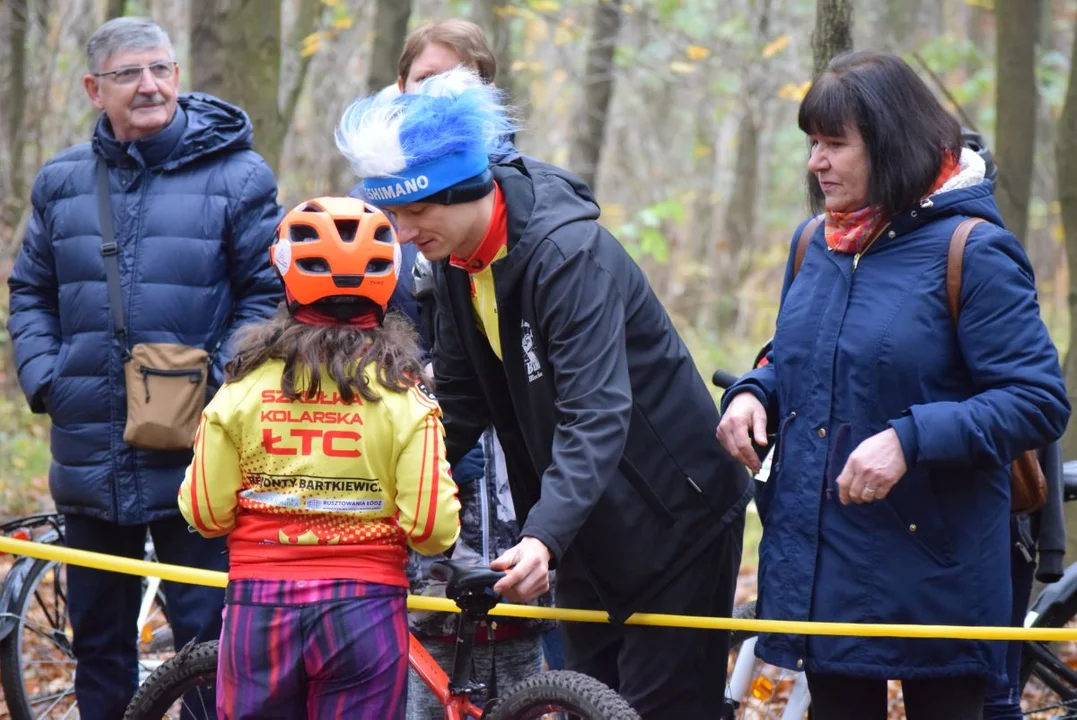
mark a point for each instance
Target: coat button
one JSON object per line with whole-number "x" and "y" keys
{"x": 892, "y": 234}
{"x": 822, "y": 432}
{"x": 912, "y": 528}
{"x": 800, "y": 663}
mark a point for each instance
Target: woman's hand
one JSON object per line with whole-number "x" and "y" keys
{"x": 745, "y": 419}
{"x": 873, "y": 468}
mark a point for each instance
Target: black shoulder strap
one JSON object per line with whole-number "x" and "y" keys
{"x": 109, "y": 251}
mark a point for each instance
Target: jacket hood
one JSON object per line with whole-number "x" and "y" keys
{"x": 203, "y": 125}
{"x": 541, "y": 198}
{"x": 970, "y": 193}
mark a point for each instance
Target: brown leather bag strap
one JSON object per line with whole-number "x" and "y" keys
{"x": 804, "y": 241}
{"x": 954, "y": 260}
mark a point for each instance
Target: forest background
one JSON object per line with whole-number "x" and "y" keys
{"x": 680, "y": 113}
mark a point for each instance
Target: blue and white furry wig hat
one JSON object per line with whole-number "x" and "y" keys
{"x": 431, "y": 146}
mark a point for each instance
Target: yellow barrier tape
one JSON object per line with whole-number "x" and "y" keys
{"x": 211, "y": 578}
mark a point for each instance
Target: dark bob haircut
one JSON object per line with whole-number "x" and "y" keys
{"x": 905, "y": 129}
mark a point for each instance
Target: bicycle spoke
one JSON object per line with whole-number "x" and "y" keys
{"x": 53, "y": 619}
{"x": 59, "y": 699}
{"x": 73, "y": 709}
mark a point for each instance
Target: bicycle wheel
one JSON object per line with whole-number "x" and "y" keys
{"x": 37, "y": 668}
{"x": 1048, "y": 674}
{"x": 570, "y": 694}
{"x": 37, "y": 665}
{"x": 765, "y": 692}
{"x": 182, "y": 687}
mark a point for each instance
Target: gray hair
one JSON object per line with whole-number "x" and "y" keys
{"x": 125, "y": 33}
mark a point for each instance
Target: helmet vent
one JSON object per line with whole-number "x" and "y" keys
{"x": 302, "y": 233}
{"x": 384, "y": 234}
{"x": 317, "y": 266}
{"x": 310, "y": 207}
{"x": 378, "y": 266}
{"x": 347, "y": 229}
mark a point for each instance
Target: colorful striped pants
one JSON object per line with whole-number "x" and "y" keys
{"x": 313, "y": 649}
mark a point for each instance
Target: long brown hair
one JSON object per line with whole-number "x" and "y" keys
{"x": 344, "y": 352}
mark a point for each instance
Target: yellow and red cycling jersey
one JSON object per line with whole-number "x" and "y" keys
{"x": 321, "y": 488}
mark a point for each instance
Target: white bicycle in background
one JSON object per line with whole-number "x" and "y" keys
{"x": 755, "y": 690}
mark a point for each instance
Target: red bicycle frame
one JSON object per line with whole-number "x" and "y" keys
{"x": 457, "y": 707}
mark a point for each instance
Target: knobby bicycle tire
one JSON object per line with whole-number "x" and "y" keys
{"x": 193, "y": 666}
{"x": 11, "y": 649}
{"x": 1056, "y": 674}
{"x": 561, "y": 690}
{"x": 742, "y": 612}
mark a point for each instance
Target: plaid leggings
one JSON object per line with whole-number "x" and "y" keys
{"x": 313, "y": 649}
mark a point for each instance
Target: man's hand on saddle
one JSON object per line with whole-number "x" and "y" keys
{"x": 527, "y": 565}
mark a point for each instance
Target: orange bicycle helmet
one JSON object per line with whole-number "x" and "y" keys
{"x": 336, "y": 251}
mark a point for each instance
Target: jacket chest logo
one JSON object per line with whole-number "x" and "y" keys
{"x": 531, "y": 361}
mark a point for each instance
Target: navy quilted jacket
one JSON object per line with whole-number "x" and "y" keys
{"x": 194, "y": 210}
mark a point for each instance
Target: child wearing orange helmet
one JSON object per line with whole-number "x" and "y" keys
{"x": 322, "y": 458}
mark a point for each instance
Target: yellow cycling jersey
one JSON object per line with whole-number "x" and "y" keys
{"x": 484, "y": 300}
{"x": 320, "y": 487}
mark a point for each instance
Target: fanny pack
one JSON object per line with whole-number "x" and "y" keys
{"x": 166, "y": 382}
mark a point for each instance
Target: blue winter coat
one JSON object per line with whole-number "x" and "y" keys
{"x": 856, "y": 352}
{"x": 194, "y": 210}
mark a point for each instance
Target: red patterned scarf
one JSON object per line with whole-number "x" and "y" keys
{"x": 850, "y": 232}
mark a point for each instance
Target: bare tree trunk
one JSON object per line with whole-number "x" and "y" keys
{"x": 1015, "y": 108}
{"x": 390, "y": 29}
{"x": 740, "y": 217}
{"x": 833, "y": 32}
{"x": 901, "y": 17}
{"x": 42, "y": 8}
{"x": 15, "y": 103}
{"x": 306, "y": 23}
{"x": 977, "y": 27}
{"x": 490, "y": 14}
{"x": 51, "y": 37}
{"x": 114, "y": 9}
{"x": 1066, "y": 159}
{"x": 596, "y": 92}
{"x": 230, "y": 34}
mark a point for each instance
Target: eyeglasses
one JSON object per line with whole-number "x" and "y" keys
{"x": 129, "y": 75}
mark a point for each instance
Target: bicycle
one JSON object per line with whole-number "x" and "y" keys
{"x": 556, "y": 691}
{"x": 37, "y": 666}
{"x": 1048, "y": 677}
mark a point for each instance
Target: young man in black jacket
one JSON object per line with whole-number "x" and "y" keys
{"x": 547, "y": 329}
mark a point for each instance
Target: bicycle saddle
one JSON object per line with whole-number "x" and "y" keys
{"x": 462, "y": 578}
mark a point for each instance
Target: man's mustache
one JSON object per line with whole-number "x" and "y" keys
{"x": 147, "y": 101}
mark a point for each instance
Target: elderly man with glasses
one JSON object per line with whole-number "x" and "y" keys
{"x": 155, "y": 232}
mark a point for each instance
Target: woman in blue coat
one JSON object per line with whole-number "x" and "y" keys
{"x": 889, "y": 496}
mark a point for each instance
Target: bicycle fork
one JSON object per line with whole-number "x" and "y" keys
{"x": 739, "y": 687}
